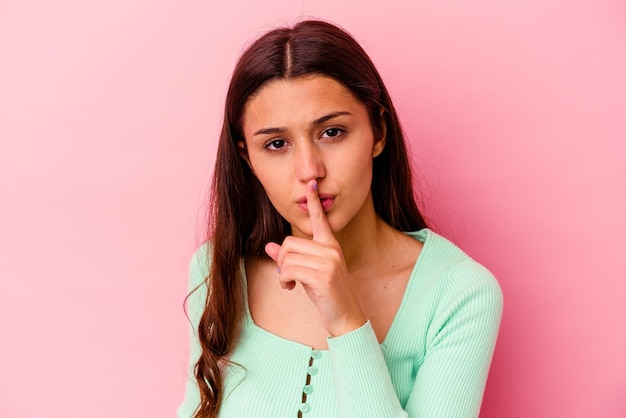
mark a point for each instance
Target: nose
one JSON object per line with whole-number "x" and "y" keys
{"x": 309, "y": 162}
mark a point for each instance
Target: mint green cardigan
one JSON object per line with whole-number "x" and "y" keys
{"x": 433, "y": 362}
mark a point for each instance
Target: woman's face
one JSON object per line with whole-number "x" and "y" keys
{"x": 307, "y": 128}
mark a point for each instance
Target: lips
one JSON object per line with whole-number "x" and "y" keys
{"x": 326, "y": 199}
{"x": 327, "y": 203}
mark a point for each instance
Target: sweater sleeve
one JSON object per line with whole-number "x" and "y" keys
{"x": 198, "y": 271}
{"x": 460, "y": 344}
{"x": 362, "y": 380}
{"x": 459, "y": 347}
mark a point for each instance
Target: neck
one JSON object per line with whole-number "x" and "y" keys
{"x": 364, "y": 239}
{"x": 365, "y": 247}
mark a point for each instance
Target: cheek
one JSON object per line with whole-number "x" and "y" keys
{"x": 273, "y": 182}
{"x": 357, "y": 165}
{"x": 263, "y": 171}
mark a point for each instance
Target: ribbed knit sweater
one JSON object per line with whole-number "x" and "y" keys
{"x": 433, "y": 362}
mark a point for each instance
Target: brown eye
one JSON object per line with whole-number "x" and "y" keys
{"x": 275, "y": 144}
{"x": 332, "y": 132}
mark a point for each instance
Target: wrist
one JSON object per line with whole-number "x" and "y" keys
{"x": 348, "y": 326}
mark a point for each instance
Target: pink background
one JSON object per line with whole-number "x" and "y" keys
{"x": 109, "y": 114}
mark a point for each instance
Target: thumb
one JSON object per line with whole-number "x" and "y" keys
{"x": 272, "y": 249}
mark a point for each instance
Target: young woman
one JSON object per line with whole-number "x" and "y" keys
{"x": 321, "y": 292}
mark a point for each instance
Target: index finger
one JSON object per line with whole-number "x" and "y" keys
{"x": 319, "y": 224}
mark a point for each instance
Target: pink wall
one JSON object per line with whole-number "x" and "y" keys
{"x": 109, "y": 111}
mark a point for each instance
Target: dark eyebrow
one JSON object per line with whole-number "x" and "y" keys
{"x": 328, "y": 117}
{"x": 316, "y": 122}
{"x": 270, "y": 131}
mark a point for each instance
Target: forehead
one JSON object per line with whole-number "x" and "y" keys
{"x": 284, "y": 101}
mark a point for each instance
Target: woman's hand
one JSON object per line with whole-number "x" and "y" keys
{"x": 318, "y": 264}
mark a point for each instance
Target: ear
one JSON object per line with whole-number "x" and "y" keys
{"x": 243, "y": 152}
{"x": 379, "y": 144}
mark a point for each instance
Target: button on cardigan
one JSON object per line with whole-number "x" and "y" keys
{"x": 433, "y": 362}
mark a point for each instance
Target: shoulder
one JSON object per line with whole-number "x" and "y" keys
{"x": 453, "y": 273}
{"x": 462, "y": 296}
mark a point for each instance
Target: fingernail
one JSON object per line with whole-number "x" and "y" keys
{"x": 315, "y": 185}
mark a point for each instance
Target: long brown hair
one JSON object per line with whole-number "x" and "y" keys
{"x": 242, "y": 219}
